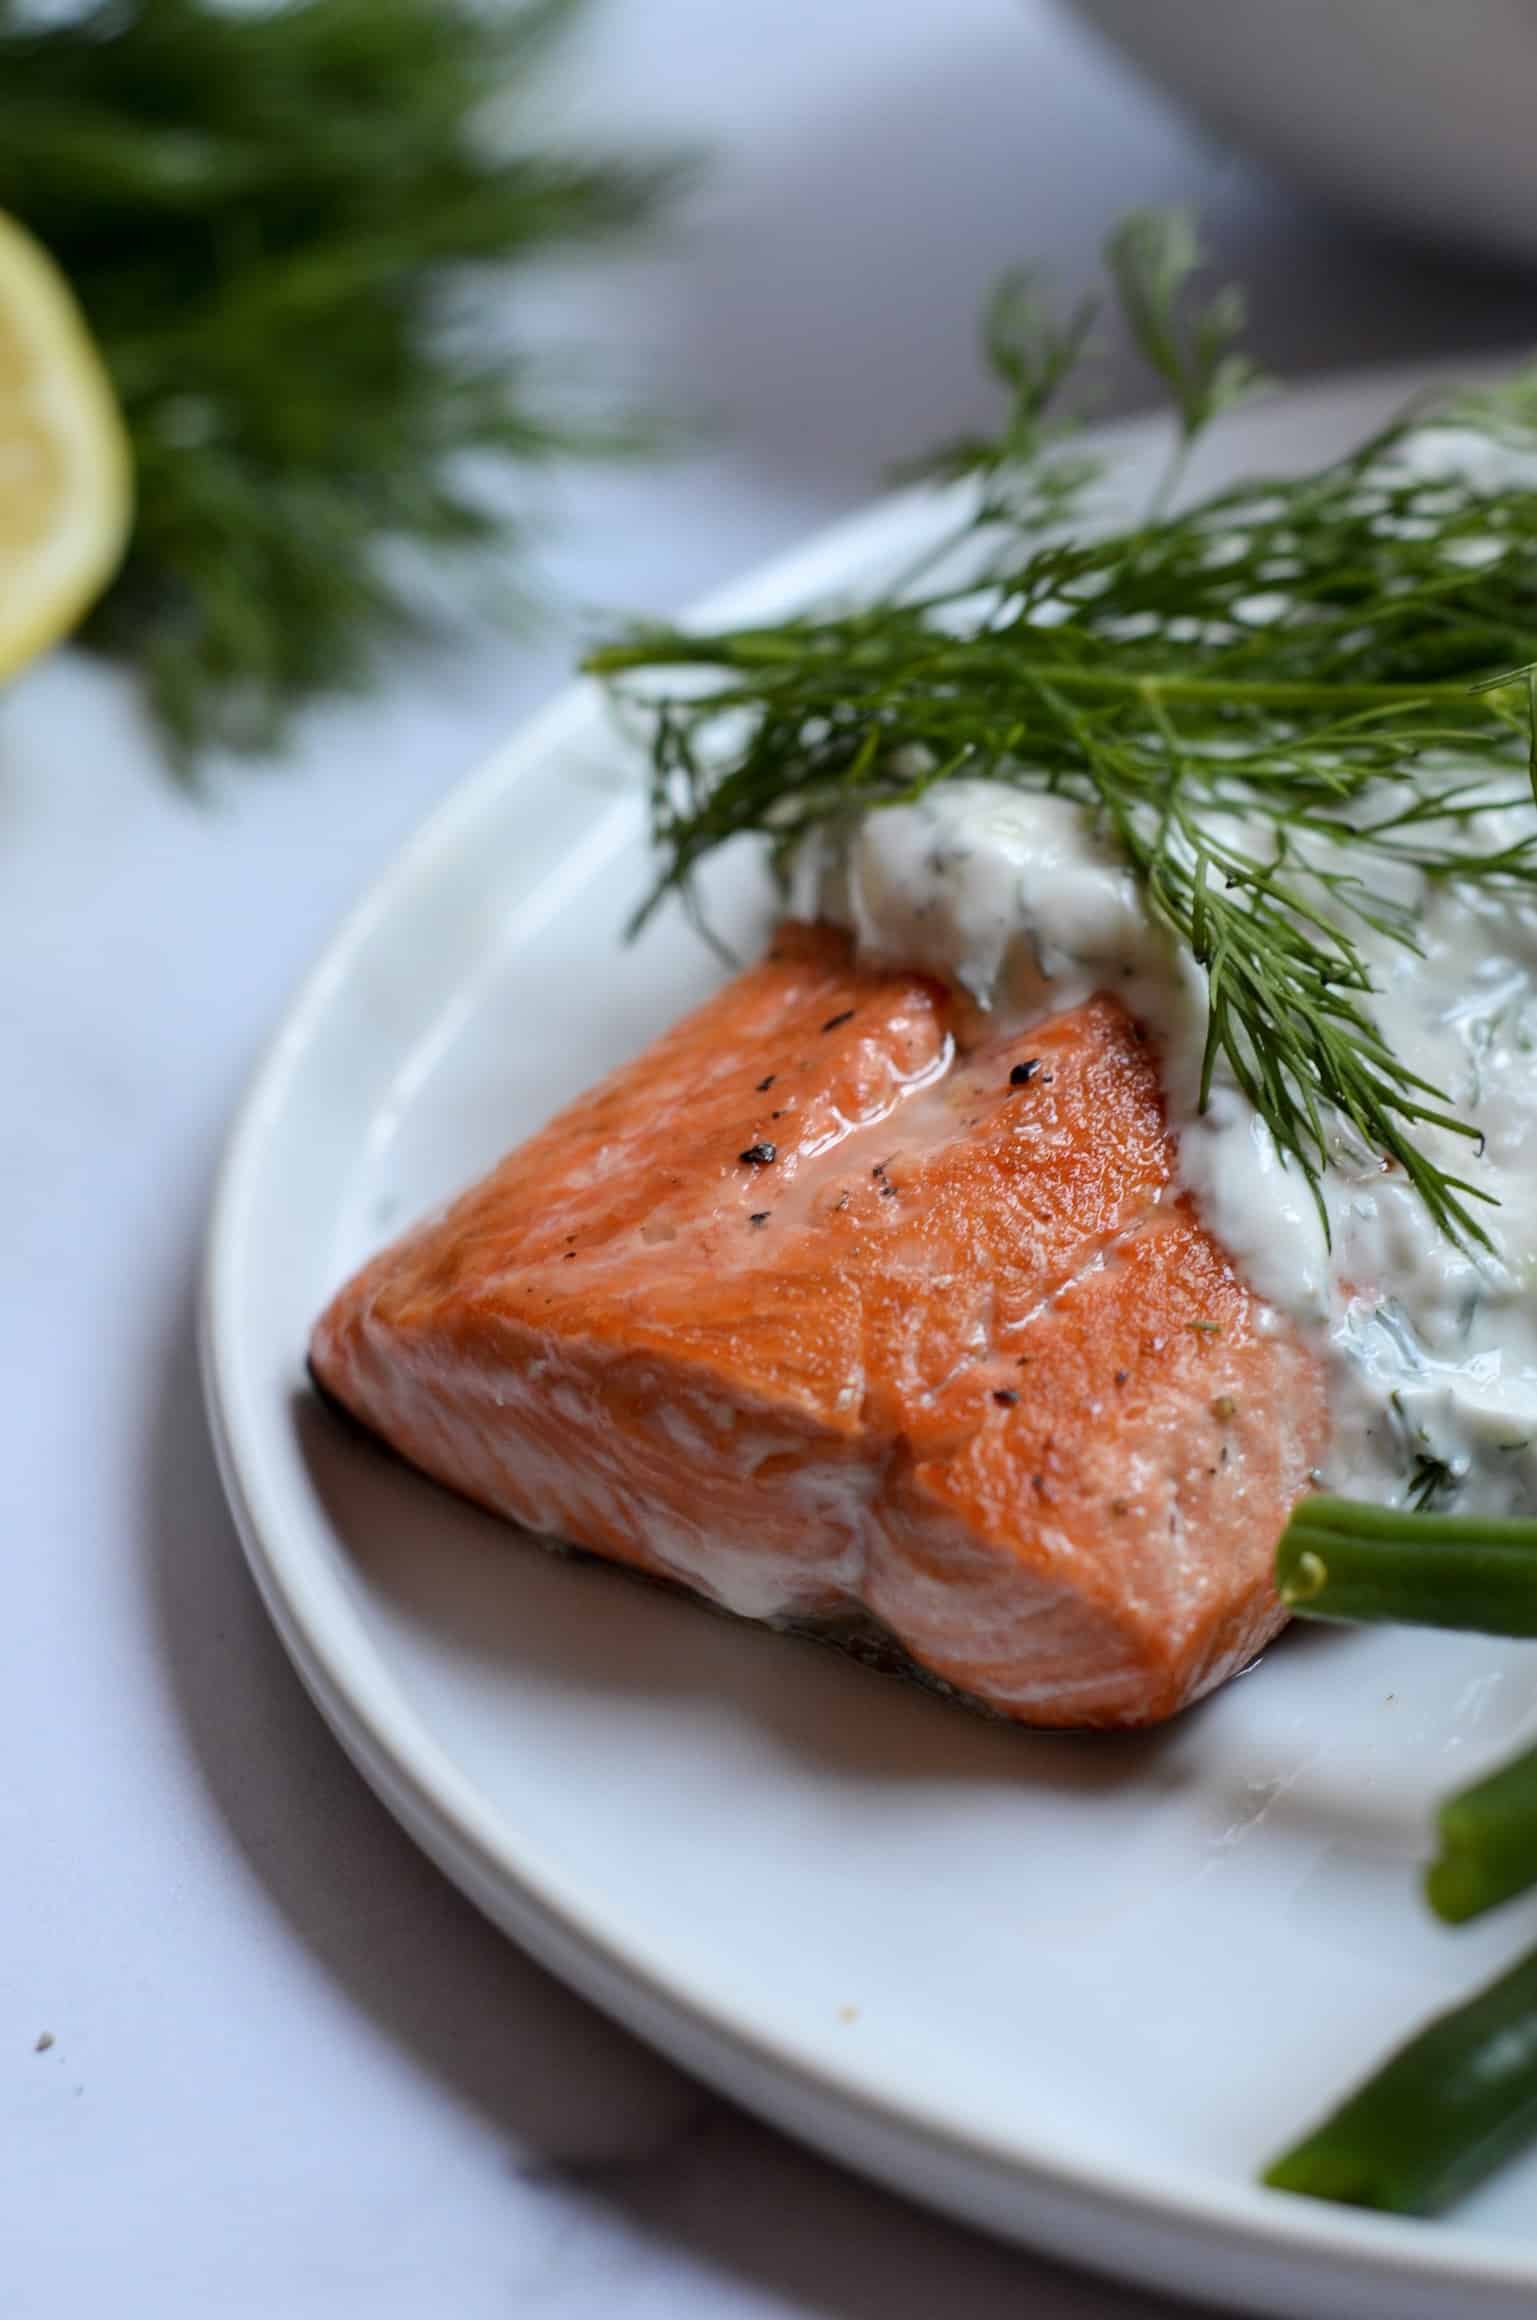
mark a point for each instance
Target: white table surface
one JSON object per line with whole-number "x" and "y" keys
{"x": 291, "y": 2072}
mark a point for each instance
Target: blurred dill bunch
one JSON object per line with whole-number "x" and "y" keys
{"x": 276, "y": 218}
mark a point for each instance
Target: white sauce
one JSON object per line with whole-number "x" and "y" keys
{"x": 1014, "y": 899}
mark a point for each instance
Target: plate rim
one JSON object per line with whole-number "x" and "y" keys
{"x": 397, "y": 1753}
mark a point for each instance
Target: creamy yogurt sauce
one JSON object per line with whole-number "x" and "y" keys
{"x": 1432, "y": 1355}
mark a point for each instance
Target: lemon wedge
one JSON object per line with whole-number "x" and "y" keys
{"x": 66, "y": 494}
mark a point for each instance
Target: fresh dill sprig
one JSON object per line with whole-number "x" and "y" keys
{"x": 1278, "y": 700}
{"x": 1431, "y": 1479}
{"x": 274, "y": 218}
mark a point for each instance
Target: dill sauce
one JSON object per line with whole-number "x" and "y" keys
{"x": 1431, "y": 1353}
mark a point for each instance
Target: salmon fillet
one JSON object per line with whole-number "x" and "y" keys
{"x": 836, "y": 1316}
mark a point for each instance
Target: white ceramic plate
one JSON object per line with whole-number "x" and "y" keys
{"x": 1075, "y": 1989}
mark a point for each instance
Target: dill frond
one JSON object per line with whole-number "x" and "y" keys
{"x": 271, "y": 217}
{"x": 1269, "y": 698}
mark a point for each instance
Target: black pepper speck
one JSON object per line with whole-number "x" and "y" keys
{"x": 759, "y": 1216}
{"x": 1005, "y": 1397}
{"x": 758, "y": 1155}
{"x": 1023, "y": 1073}
{"x": 836, "y": 1022}
{"x": 765, "y": 1084}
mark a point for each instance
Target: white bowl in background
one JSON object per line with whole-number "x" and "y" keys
{"x": 1421, "y": 113}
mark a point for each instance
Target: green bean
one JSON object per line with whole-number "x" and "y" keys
{"x": 1438, "y": 2117}
{"x": 1340, "y": 1558}
{"x": 1488, "y": 1836}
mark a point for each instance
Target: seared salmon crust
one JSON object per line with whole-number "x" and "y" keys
{"x": 832, "y": 1314}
